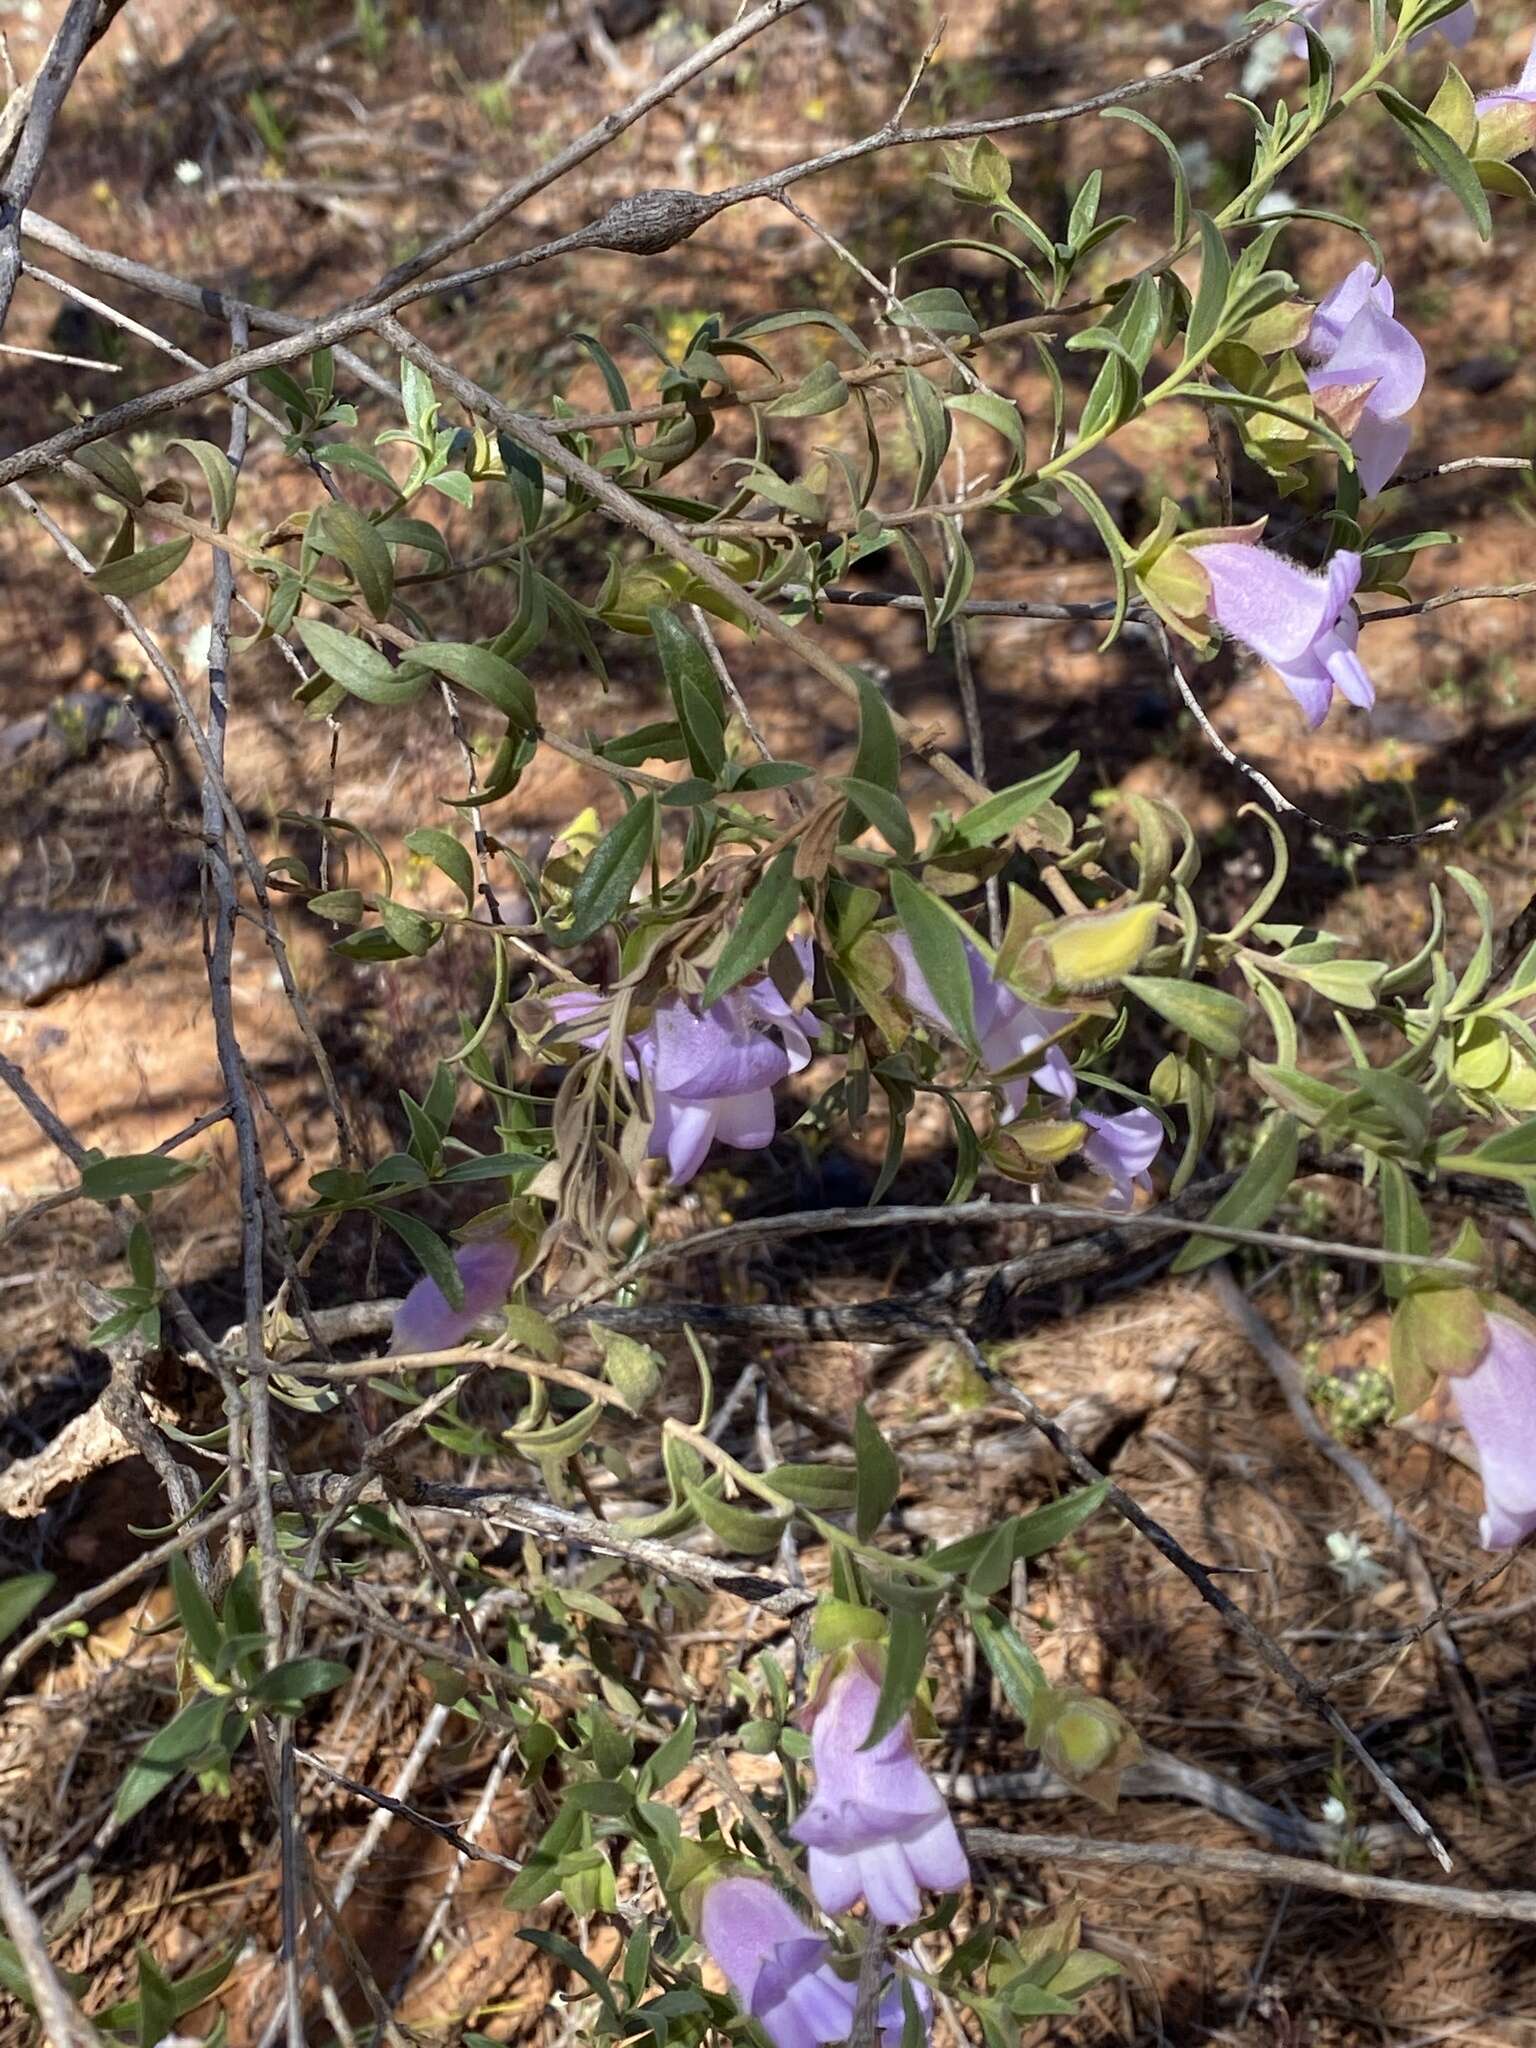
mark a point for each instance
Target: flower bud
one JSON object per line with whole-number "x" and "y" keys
{"x": 1085, "y": 1740}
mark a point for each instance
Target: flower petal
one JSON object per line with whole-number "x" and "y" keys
{"x": 936, "y": 1856}
{"x": 889, "y": 1886}
{"x": 1374, "y": 348}
{"x": 702, "y": 1055}
{"x": 1359, "y": 287}
{"x": 1497, "y": 1404}
{"x": 682, "y": 1135}
{"x": 425, "y": 1322}
{"x": 741, "y": 1922}
{"x": 1269, "y": 603}
{"x": 1379, "y": 445}
{"x": 746, "y": 1120}
{"x": 1122, "y": 1148}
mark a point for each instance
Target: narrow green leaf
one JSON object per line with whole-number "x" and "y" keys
{"x": 341, "y": 530}
{"x": 132, "y": 575}
{"x": 740, "y": 1529}
{"x": 615, "y": 865}
{"x": 825, "y": 1489}
{"x": 176, "y": 1748}
{"x": 430, "y": 1252}
{"x": 878, "y": 1474}
{"x": 477, "y": 669}
{"x": 1017, "y": 1669}
{"x": 695, "y": 690}
{"x": 217, "y": 474}
{"x": 444, "y": 851}
{"x": 360, "y": 669}
{"x": 1211, "y": 297}
{"x": 931, "y": 427}
{"x": 885, "y": 811}
{"x": 19, "y": 1596}
{"x": 940, "y": 952}
{"x": 140, "y": 1173}
{"x": 299, "y": 1679}
{"x": 1012, "y": 807}
{"x": 765, "y": 918}
{"x": 1210, "y": 1016}
{"x": 1175, "y": 164}
{"x": 1258, "y": 1191}
{"x": 1440, "y": 154}
{"x": 905, "y": 1655}
{"x": 197, "y": 1615}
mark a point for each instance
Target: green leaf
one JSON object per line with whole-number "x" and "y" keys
{"x": 1211, "y": 1017}
{"x": 19, "y": 1596}
{"x": 342, "y": 531}
{"x": 1018, "y": 1671}
{"x": 664, "y": 1763}
{"x": 821, "y": 391}
{"x": 905, "y": 1655}
{"x": 824, "y": 1489}
{"x": 615, "y": 865}
{"x": 1258, "y": 1191}
{"x": 360, "y": 669}
{"x": 740, "y": 1529}
{"x": 445, "y": 852}
{"x": 176, "y": 1748}
{"x": 931, "y": 427}
{"x": 1211, "y": 297}
{"x": 217, "y": 474}
{"x": 197, "y": 1615}
{"x": 132, "y": 575}
{"x": 878, "y": 759}
{"x": 940, "y": 952}
{"x": 940, "y": 310}
{"x": 156, "y": 2001}
{"x": 504, "y": 687}
{"x": 1404, "y": 1226}
{"x": 413, "y": 932}
{"x": 1011, "y": 807}
{"x": 634, "y": 1370}
{"x": 111, "y": 466}
{"x": 878, "y": 1473}
{"x": 695, "y": 691}
{"x": 287, "y": 1686}
{"x": 1175, "y": 163}
{"x": 998, "y": 413}
{"x": 136, "y": 1173}
{"x": 765, "y": 918}
{"x": 885, "y": 811}
{"x": 1436, "y": 149}
{"x": 430, "y": 1252}
{"x": 1046, "y": 1527}
{"x": 540, "y": 1875}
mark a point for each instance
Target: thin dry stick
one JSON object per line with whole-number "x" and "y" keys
{"x": 1237, "y": 1619}
{"x": 116, "y": 1582}
{"x": 1261, "y": 781}
{"x": 1288, "y": 1377}
{"x": 1253, "y": 1863}
{"x": 586, "y": 145}
{"x": 255, "y": 872}
{"x": 444, "y": 1831}
{"x": 727, "y": 682}
{"x": 64, "y": 2026}
{"x": 907, "y": 1215}
{"x": 49, "y": 89}
{"x": 645, "y": 223}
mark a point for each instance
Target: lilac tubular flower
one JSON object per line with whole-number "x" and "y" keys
{"x": 878, "y": 1827}
{"x": 711, "y": 1072}
{"x": 1123, "y": 1148}
{"x": 781, "y": 1972}
{"x": 1355, "y": 342}
{"x": 1521, "y": 93}
{"x": 1497, "y": 1404}
{"x": 1007, "y": 1028}
{"x": 425, "y": 1322}
{"x": 1303, "y": 625}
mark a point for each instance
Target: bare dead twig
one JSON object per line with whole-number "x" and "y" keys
{"x": 401, "y": 1811}
{"x": 1253, "y": 1863}
{"x": 84, "y": 23}
{"x": 1237, "y": 1619}
{"x": 64, "y": 2025}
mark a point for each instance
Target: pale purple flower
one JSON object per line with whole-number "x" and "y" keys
{"x": 877, "y": 1827}
{"x": 1354, "y": 341}
{"x": 711, "y": 1073}
{"x": 1521, "y": 93}
{"x": 1457, "y": 28}
{"x": 1497, "y": 1405}
{"x": 1123, "y": 1148}
{"x": 1007, "y": 1028}
{"x": 1303, "y": 625}
{"x": 425, "y": 1322}
{"x": 782, "y": 1973}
